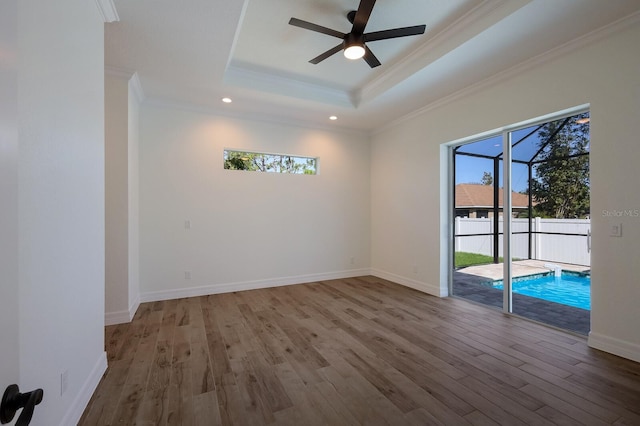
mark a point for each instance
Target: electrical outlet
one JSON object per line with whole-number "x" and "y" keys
{"x": 352, "y": 260}
{"x": 187, "y": 275}
{"x": 187, "y": 224}
{"x": 64, "y": 381}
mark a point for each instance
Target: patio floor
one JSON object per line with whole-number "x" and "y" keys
{"x": 470, "y": 283}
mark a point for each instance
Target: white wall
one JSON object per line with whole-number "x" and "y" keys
{"x": 409, "y": 173}
{"x": 9, "y": 301}
{"x": 248, "y": 229}
{"x": 116, "y": 197}
{"x": 404, "y": 207}
{"x": 133, "y": 120}
{"x": 122, "y": 288}
{"x": 60, "y": 203}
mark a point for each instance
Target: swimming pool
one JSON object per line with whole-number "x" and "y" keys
{"x": 567, "y": 289}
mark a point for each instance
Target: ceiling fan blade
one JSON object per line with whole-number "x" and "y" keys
{"x": 314, "y": 27}
{"x": 362, "y": 16}
{"x": 370, "y": 58}
{"x": 326, "y": 54}
{"x": 394, "y": 33}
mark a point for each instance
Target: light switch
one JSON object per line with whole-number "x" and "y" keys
{"x": 616, "y": 230}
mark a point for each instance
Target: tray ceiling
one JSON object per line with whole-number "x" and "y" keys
{"x": 194, "y": 52}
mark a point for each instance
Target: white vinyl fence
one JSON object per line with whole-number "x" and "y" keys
{"x": 555, "y": 248}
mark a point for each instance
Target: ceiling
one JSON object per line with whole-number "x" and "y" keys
{"x": 194, "y": 52}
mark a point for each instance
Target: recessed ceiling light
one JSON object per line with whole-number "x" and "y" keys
{"x": 227, "y": 100}
{"x": 333, "y": 117}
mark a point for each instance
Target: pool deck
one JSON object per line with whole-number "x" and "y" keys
{"x": 519, "y": 268}
{"x": 470, "y": 283}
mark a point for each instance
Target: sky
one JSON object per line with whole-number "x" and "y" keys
{"x": 471, "y": 169}
{"x": 526, "y": 143}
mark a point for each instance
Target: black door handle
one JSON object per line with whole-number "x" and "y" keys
{"x": 13, "y": 400}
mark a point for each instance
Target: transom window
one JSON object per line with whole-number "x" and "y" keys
{"x": 270, "y": 163}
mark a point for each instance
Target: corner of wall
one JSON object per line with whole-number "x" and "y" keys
{"x": 122, "y": 317}
{"x": 432, "y": 289}
{"x": 134, "y": 307}
{"x": 135, "y": 86}
{"x": 81, "y": 401}
{"x": 614, "y": 346}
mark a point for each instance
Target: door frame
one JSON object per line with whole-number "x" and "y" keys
{"x": 506, "y": 132}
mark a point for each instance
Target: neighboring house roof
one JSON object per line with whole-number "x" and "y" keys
{"x": 473, "y": 195}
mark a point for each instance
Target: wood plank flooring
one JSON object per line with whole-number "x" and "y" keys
{"x": 360, "y": 351}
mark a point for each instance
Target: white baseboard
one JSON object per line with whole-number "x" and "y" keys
{"x": 86, "y": 391}
{"x": 154, "y": 296}
{"x": 615, "y": 346}
{"x": 433, "y": 290}
{"x": 120, "y": 317}
{"x": 133, "y": 308}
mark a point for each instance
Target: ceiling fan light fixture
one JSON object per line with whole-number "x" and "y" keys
{"x": 354, "y": 51}
{"x": 353, "y": 47}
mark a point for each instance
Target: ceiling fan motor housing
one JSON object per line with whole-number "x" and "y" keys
{"x": 352, "y": 39}
{"x": 351, "y": 16}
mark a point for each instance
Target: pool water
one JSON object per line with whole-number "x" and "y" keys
{"x": 568, "y": 289}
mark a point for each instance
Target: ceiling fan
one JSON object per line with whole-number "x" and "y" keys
{"x": 353, "y": 43}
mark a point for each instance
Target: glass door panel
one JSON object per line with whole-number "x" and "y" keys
{"x": 542, "y": 218}
{"x": 550, "y": 259}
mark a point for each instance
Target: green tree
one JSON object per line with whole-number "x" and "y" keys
{"x": 238, "y": 160}
{"x": 561, "y": 186}
{"x": 234, "y": 160}
{"x": 487, "y": 179}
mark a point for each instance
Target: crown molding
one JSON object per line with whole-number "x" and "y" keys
{"x": 473, "y": 21}
{"x": 467, "y": 26}
{"x": 107, "y": 10}
{"x": 251, "y": 116}
{"x": 236, "y": 36}
{"x": 245, "y": 76}
{"x": 531, "y": 63}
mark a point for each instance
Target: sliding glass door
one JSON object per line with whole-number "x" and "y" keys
{"x": 520, "y": 219}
